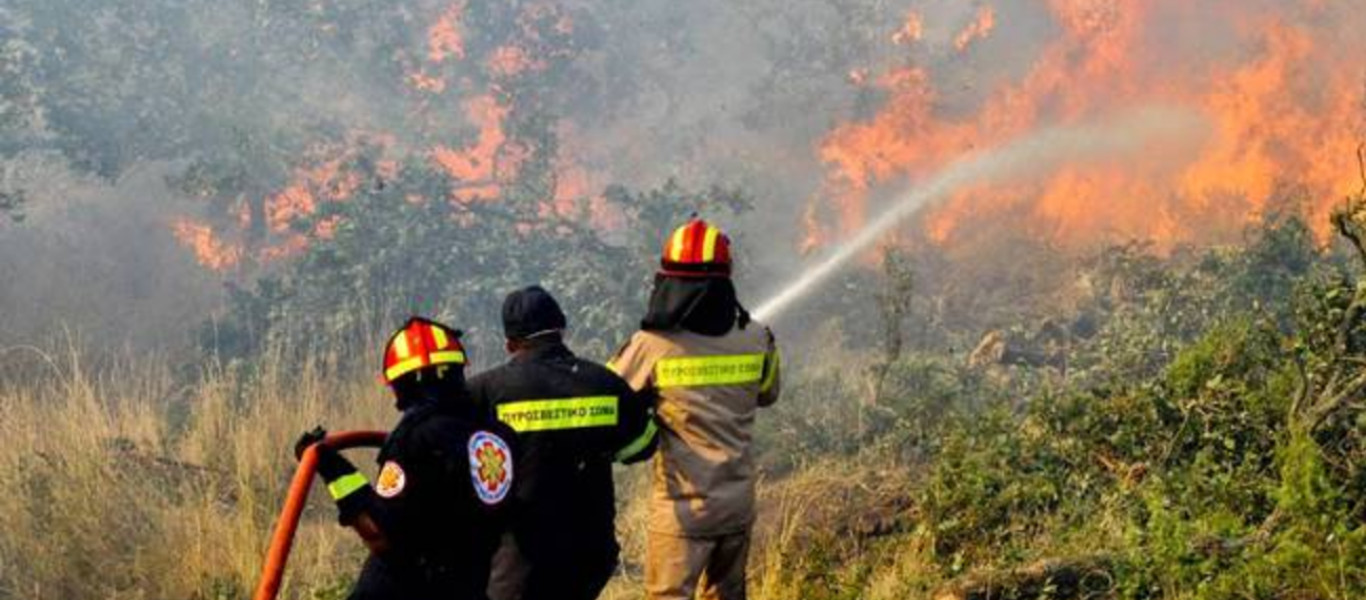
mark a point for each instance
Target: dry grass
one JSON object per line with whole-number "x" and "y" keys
{"x": 124, "y": 483}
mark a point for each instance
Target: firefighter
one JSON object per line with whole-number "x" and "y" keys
{"x": 712, "y": 367}
{"x": 433, "y": 517}
{"x": 573, "y": 418}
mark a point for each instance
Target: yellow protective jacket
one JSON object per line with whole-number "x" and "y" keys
{"x": 709, "y": 390}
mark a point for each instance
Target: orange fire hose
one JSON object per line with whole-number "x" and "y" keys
{"x": 273, "y": 572}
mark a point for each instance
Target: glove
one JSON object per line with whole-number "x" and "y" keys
{"x": 331, "y": 465}
{"x": 308, "y": 439}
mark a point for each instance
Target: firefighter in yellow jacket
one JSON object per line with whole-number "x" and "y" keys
{"x": 711, "y": 368}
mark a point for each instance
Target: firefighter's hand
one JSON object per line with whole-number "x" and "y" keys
{"x": 308, "y": 439}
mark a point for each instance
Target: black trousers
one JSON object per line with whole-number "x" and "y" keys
{"x": 380, "y": 580}
{"x": 563, "y": 574}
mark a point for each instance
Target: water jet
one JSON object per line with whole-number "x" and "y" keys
{"x": 1032, "y": 154}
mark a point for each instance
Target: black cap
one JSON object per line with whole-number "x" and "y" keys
{"x": 529, "y": 312}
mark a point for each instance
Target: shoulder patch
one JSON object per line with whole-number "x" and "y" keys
{"x": 391, "y": 480}
{"x": 490, "y": 467}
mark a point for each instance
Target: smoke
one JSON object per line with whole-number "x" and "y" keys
{"x": 93, "y": 266}
{"x": 819, "y": 108}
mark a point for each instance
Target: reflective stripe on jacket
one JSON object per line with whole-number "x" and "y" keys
{"x": 709, "y": 390}
{"x": 573, "y": 419}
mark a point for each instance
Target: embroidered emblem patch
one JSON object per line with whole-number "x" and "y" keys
{"x": 490, "y": 467}
{"x": 391, "y": 480}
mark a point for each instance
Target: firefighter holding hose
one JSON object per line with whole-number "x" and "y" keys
{"x": 435, "y": 513}
{"x": 712, "y": 368}
{"x": 573, "y": 419}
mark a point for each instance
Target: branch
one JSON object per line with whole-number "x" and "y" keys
{"x": 1361, "y": 167}
{"x": 1343, "y": 222}
{"x": 1323, "y": 409}
{"x": 1349, "y": 320}
{"x": 1302, "y": 391}
{"x": 1238, "y": 544}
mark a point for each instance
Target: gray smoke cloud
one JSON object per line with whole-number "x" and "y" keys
{"x": 93, "y": 264}
{"x": 102, "y": 103}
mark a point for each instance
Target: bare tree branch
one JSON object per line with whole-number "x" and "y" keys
{"x": 1343, "y": 222}
{"x": 1361, "y": 168}
{"x": 1349, "y": 321}
{"x": 1302, "y": 391}
{"x": 1326, "y": 407}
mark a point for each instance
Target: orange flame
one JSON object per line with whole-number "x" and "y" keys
{"x": 980, "y": 28}
{"x": 1271, "y": 81}
{"x": 481, "y": 168}
{"x": 445, "y": 41}
{"x": 210, "y": 250}
{"x": 290, "y": 246}
{"x": 427, "y": 83}
{"x": 476, "y": 165}
{"x": 510, "y": 61}
{"x": 575, "y": 183}
{"x": 444, "y": 38}
{"x": 327, "y": 181}
{"x": 283, "y": 208}
{"x": 910, "y": 31}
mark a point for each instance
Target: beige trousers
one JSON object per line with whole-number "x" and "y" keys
{"x": 678, "y": 567}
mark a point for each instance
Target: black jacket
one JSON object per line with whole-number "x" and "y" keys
{"x": 442, "y": 501}
{"x": 573, "y": 419}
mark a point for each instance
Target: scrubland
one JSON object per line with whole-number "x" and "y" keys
{"x": 124, "y": 484}
{"x": 1186, "y": 426}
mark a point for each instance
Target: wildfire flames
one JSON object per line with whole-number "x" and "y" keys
{"x": 209, "y": 249}
{"x": 444, "y": 39}
{"x": 911, "y": 31}
{"x": 479, "y": 168}
{"x": 979, "y": 28}
{"x": 1279, "y": 82}
{"x": 326, "y": 180}
{"x": 483, "y": 164}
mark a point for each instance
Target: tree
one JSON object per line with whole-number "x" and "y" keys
{"x": 408, "y": 246}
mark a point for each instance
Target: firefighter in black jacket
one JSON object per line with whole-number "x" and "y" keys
{"x": 440, "y": 503}
{"x": 573, "y": 418}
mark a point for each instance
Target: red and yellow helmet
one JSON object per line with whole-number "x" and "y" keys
{"x": 421, "y": 343}
{"x": 697, "y": 249}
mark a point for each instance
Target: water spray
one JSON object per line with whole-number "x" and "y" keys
{"x": 1041, "y": 151}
